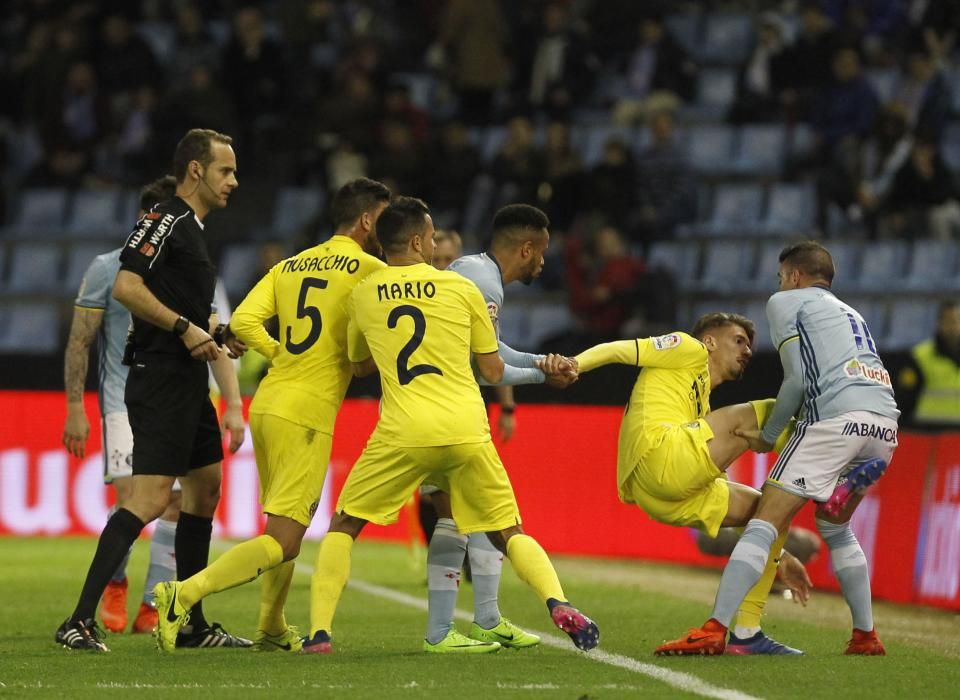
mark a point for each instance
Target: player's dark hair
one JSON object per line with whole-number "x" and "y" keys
{"x": 811, "y": 258}
{"x": 196, "y": 145}
{"x": 160, "y": 190}
{"x": 719, "y": 319}
{"x": 945, "y": 307}
{"x": 403, "y": 218}
{"x": 516, "y": 223}
{"x": 356, "y": 198}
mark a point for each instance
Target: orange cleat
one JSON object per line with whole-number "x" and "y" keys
{"x": 865, "y": 644}
{"x": 113, "y": 608}
{"x": 709, "y": 640}
{"x": 146, "y": 621}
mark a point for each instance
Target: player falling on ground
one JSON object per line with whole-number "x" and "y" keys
{"x": 98, "y": 315}
{"x": 419, "y": 326}
{"x": 520, "y": 239}
{"x": 844, "y": 440}
{"x": 673, "y": 450}
{"x": 293, "y": 411}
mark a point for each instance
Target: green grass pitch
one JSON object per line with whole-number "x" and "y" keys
{"x": 379, "y": 628}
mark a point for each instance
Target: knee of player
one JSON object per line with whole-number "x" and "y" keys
{"x": 291, "y": 548}
{"x": 347, "y": 524}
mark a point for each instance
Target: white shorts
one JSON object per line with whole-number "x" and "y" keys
{"x": 118, "y": 448}
{"x": 818, "y": 454}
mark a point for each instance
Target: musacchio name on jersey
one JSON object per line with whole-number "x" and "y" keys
{"x": 343, "y": 263}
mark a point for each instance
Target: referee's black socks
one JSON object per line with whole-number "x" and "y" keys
{"x": 192, "y": 546}
{"x": 119, "y": 534}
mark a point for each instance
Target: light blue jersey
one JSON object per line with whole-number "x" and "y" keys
{"x": 484, "y": 271}
{"x": 830, "y": 359}
{"x": 96, "y": 293}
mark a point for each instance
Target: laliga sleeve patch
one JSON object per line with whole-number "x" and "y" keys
{"x": 493, "y": 310}
{"x": 665, "y": 342}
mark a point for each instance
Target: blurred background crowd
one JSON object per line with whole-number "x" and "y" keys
{"x": 675, "y": 145}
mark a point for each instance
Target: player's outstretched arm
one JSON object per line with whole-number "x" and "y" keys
{"x": 246, "y": 323}
{"x": 83, "y": 329}
{"x": 623, "y": 352}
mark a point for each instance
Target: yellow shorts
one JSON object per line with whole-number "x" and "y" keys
{"x": 677, "y": 482}
{"x": 382, "y": 480}
{"x": 292, "y": 463}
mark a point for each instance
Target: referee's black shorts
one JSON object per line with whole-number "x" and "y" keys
{"x": 175, "y": 427}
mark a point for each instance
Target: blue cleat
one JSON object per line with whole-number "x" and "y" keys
{"x": 583, "y": 631}
{"x": 759, "y": 644}
{"x": 856, "y": 480}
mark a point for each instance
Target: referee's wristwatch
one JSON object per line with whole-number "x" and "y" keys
{"x": 181, "y": 325}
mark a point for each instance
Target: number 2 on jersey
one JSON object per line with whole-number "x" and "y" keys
{"x": 405, "y": 373}
{"x": 307, "y": 311}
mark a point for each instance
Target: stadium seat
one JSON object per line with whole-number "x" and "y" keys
{"x": 238, "y": 269}
{"x": 790, "y": 209}
{"x": 716, "y": 91}
{"x": 491, "y": 141}
{"x": 78, "y": 260}
{"x": 846, "y": 258}
{"x": 950, "y": 146}
{"x": 34, "y": 268}
{"x": 736, "y": 210}
{"x": 421, "y": 87}
{"x": 874, "y": 312}
{"x": 685, "y": 28}
{"x": 911, "y": 321}
{"x": 475, "y": 212}
{"x": 756, "y": 311}
{"x": 933, "y": 266}
{"x": 761, "y": 150}
{"x": 710, "y": 148}
{"x": 94, "y": 212}
{"x": 727, "y": 39}
{"x": 596, "y": 137}
{"x": 882, "y": 265}
{"x": 727, "y": 266}
{"x": 295, "y": 207}
{"x": 41, "y": 211}
{"x": 29, "y": 328}
{"x": 680, "y": 258}
{"x": 764, "y": 278}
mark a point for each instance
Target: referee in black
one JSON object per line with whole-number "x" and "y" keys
{"x": 167, "y": 281}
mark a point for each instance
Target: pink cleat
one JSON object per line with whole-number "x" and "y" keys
{"x": 856, "y": 480}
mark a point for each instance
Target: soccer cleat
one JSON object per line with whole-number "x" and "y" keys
{"x": 146, "y": 621}
{"x": 759, "y": 644}
{"x": 81, "y": 634}
{"x": 319, "y": 643}
{"x": 210, "y": 637}
{"x": 709, "y": 640}
{"x": 505, "y": 633}
{"x": 288, "y": 640}
{"x": 865, "y": 644}
{"x": 457, "y": 643}
{"x": 171, "y": 616}
{"x": 113, "y": 607}
{"x": 582, "y": 630}
{"x": 856, "y": 480}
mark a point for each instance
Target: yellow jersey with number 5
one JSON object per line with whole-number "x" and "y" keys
{"x": 421, "y": 325}
{"x": 308, "y": 293}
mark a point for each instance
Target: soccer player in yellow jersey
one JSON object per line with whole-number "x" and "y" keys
{"x": 294, "y": 409}
{"x": 419, "y": 326}
{"x": 673, "y": 451}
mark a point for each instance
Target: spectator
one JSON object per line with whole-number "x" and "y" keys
{"x": 610, "y": 185}
{"x": 398, "y": 106}
{"x": 761, "y": 81}
{"x": 847, "y": 106}
{"x": 928, "y": 388}
{"x": 398, "y": 158}
{"x": 518, "y": 168}
{"x": 806, "y": 62}
{"x": 454, "y": 165}
{"x": 352, "y": 112}
{"x": 475, "y": 35}
{"x": 124, "y": 62}
{"x": 200, "y": 101}
{"x": 194, "y": 45}
{"x": 666, "y": 188}
{"x": 660, "y": 74}
{"x": 563, "y": 177}
{"x": 924, "y": 94}
{"x": 81, "y": 118}
{"x": 924, "y": 196}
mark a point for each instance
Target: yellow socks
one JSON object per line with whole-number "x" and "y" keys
{"x": 748, "y": 616}
{"x": 329, "y": 577}
{"x": 533, "y": 567}
{"x": 241, "y": 564}
{"x": 273, "y": 596}
{"x": 763, "y": 408}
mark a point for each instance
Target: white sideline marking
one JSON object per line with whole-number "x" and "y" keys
{"x": 676, "y": 679}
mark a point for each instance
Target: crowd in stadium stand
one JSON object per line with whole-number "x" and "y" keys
{"x": 630, "y": 123}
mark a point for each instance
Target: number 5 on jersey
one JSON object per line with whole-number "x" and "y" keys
{"x": 306, "y": 311}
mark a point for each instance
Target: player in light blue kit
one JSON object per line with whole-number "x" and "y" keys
{"x": 98, "y": 315}
{"x": 520, "y": 238}
{"x": 846, "y": 435}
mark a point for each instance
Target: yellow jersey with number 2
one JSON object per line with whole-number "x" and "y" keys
{"x": 308, "y": 293}
{"x": 421, "y": 325}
